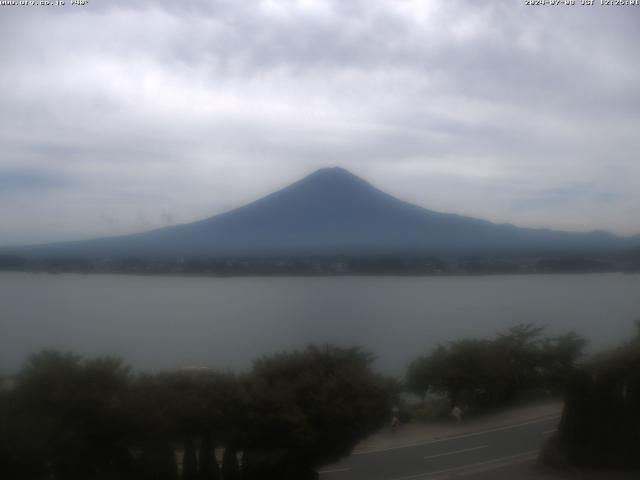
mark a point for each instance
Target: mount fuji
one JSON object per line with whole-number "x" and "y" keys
{"x": 333, "y": 212}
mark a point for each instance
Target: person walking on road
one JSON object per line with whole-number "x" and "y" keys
{"x": 395, "y": 423}
{"x": 395, "y": 420}
{"x": 456, "y": 413}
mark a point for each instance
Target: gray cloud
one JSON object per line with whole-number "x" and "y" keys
{"x": 28, "y": 180}
{"x": 515, "y": 114}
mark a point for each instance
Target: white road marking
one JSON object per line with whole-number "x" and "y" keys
{"x": 335, "y": 470}
{"x": 495, "y": 466}
{"x": 548, "y": 432}
{"x": 456, "y": 437}
{"x": 455, "y": 452}
{"x": 496, "y": 463}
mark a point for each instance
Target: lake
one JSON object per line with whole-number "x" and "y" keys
{"x": 157, "y": 322}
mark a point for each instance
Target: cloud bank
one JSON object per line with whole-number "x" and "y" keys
{"x": 118, "y": 117}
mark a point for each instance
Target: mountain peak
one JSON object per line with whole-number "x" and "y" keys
{"x": 334, "y": 173}
{"x": 335, "y": 177}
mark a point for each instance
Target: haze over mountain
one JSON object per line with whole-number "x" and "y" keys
{"x": 333, "y": 212}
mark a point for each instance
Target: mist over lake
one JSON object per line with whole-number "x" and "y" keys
{"x": 167, "y": 322}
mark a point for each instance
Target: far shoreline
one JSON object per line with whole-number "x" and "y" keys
{"x": 318, "y": 275}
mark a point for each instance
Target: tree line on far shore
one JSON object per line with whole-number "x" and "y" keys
{"x": 390, "y": 264}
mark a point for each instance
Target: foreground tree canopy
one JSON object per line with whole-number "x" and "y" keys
{"x": 486, "y": 373}
{"x": 65, "y": 418}
{"x": 600, "y": 426}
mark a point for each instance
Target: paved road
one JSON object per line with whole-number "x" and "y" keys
{"x": 494, "y": 453}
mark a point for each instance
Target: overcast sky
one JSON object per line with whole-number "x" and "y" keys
{"x": 118, "y": 117}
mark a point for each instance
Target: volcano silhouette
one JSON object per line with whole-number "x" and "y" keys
{"x": 333, "y": 212}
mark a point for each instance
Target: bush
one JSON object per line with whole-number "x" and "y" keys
{"x": 431, "y": 410}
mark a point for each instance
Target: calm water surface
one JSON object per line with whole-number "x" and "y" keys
{"x": 166, "y": 322}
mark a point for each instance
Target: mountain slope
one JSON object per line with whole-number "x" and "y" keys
{"x": 333, "y": 212}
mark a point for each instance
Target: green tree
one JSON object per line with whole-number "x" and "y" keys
{"x": 310, "y": 407}
{"x": 189, "y": 461}
{"x": 600, "y": 425}
{"x": 208, "y": 464}
{"x": 230, "y": 465}
{"x": 520, "y": 349}
{"x": 182, "y": 407}
{"x": 69, "y": 417}
{"x": 421, "y": 376}
{"x": 560, "y": 356}
{"x": 485, "y": 373}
